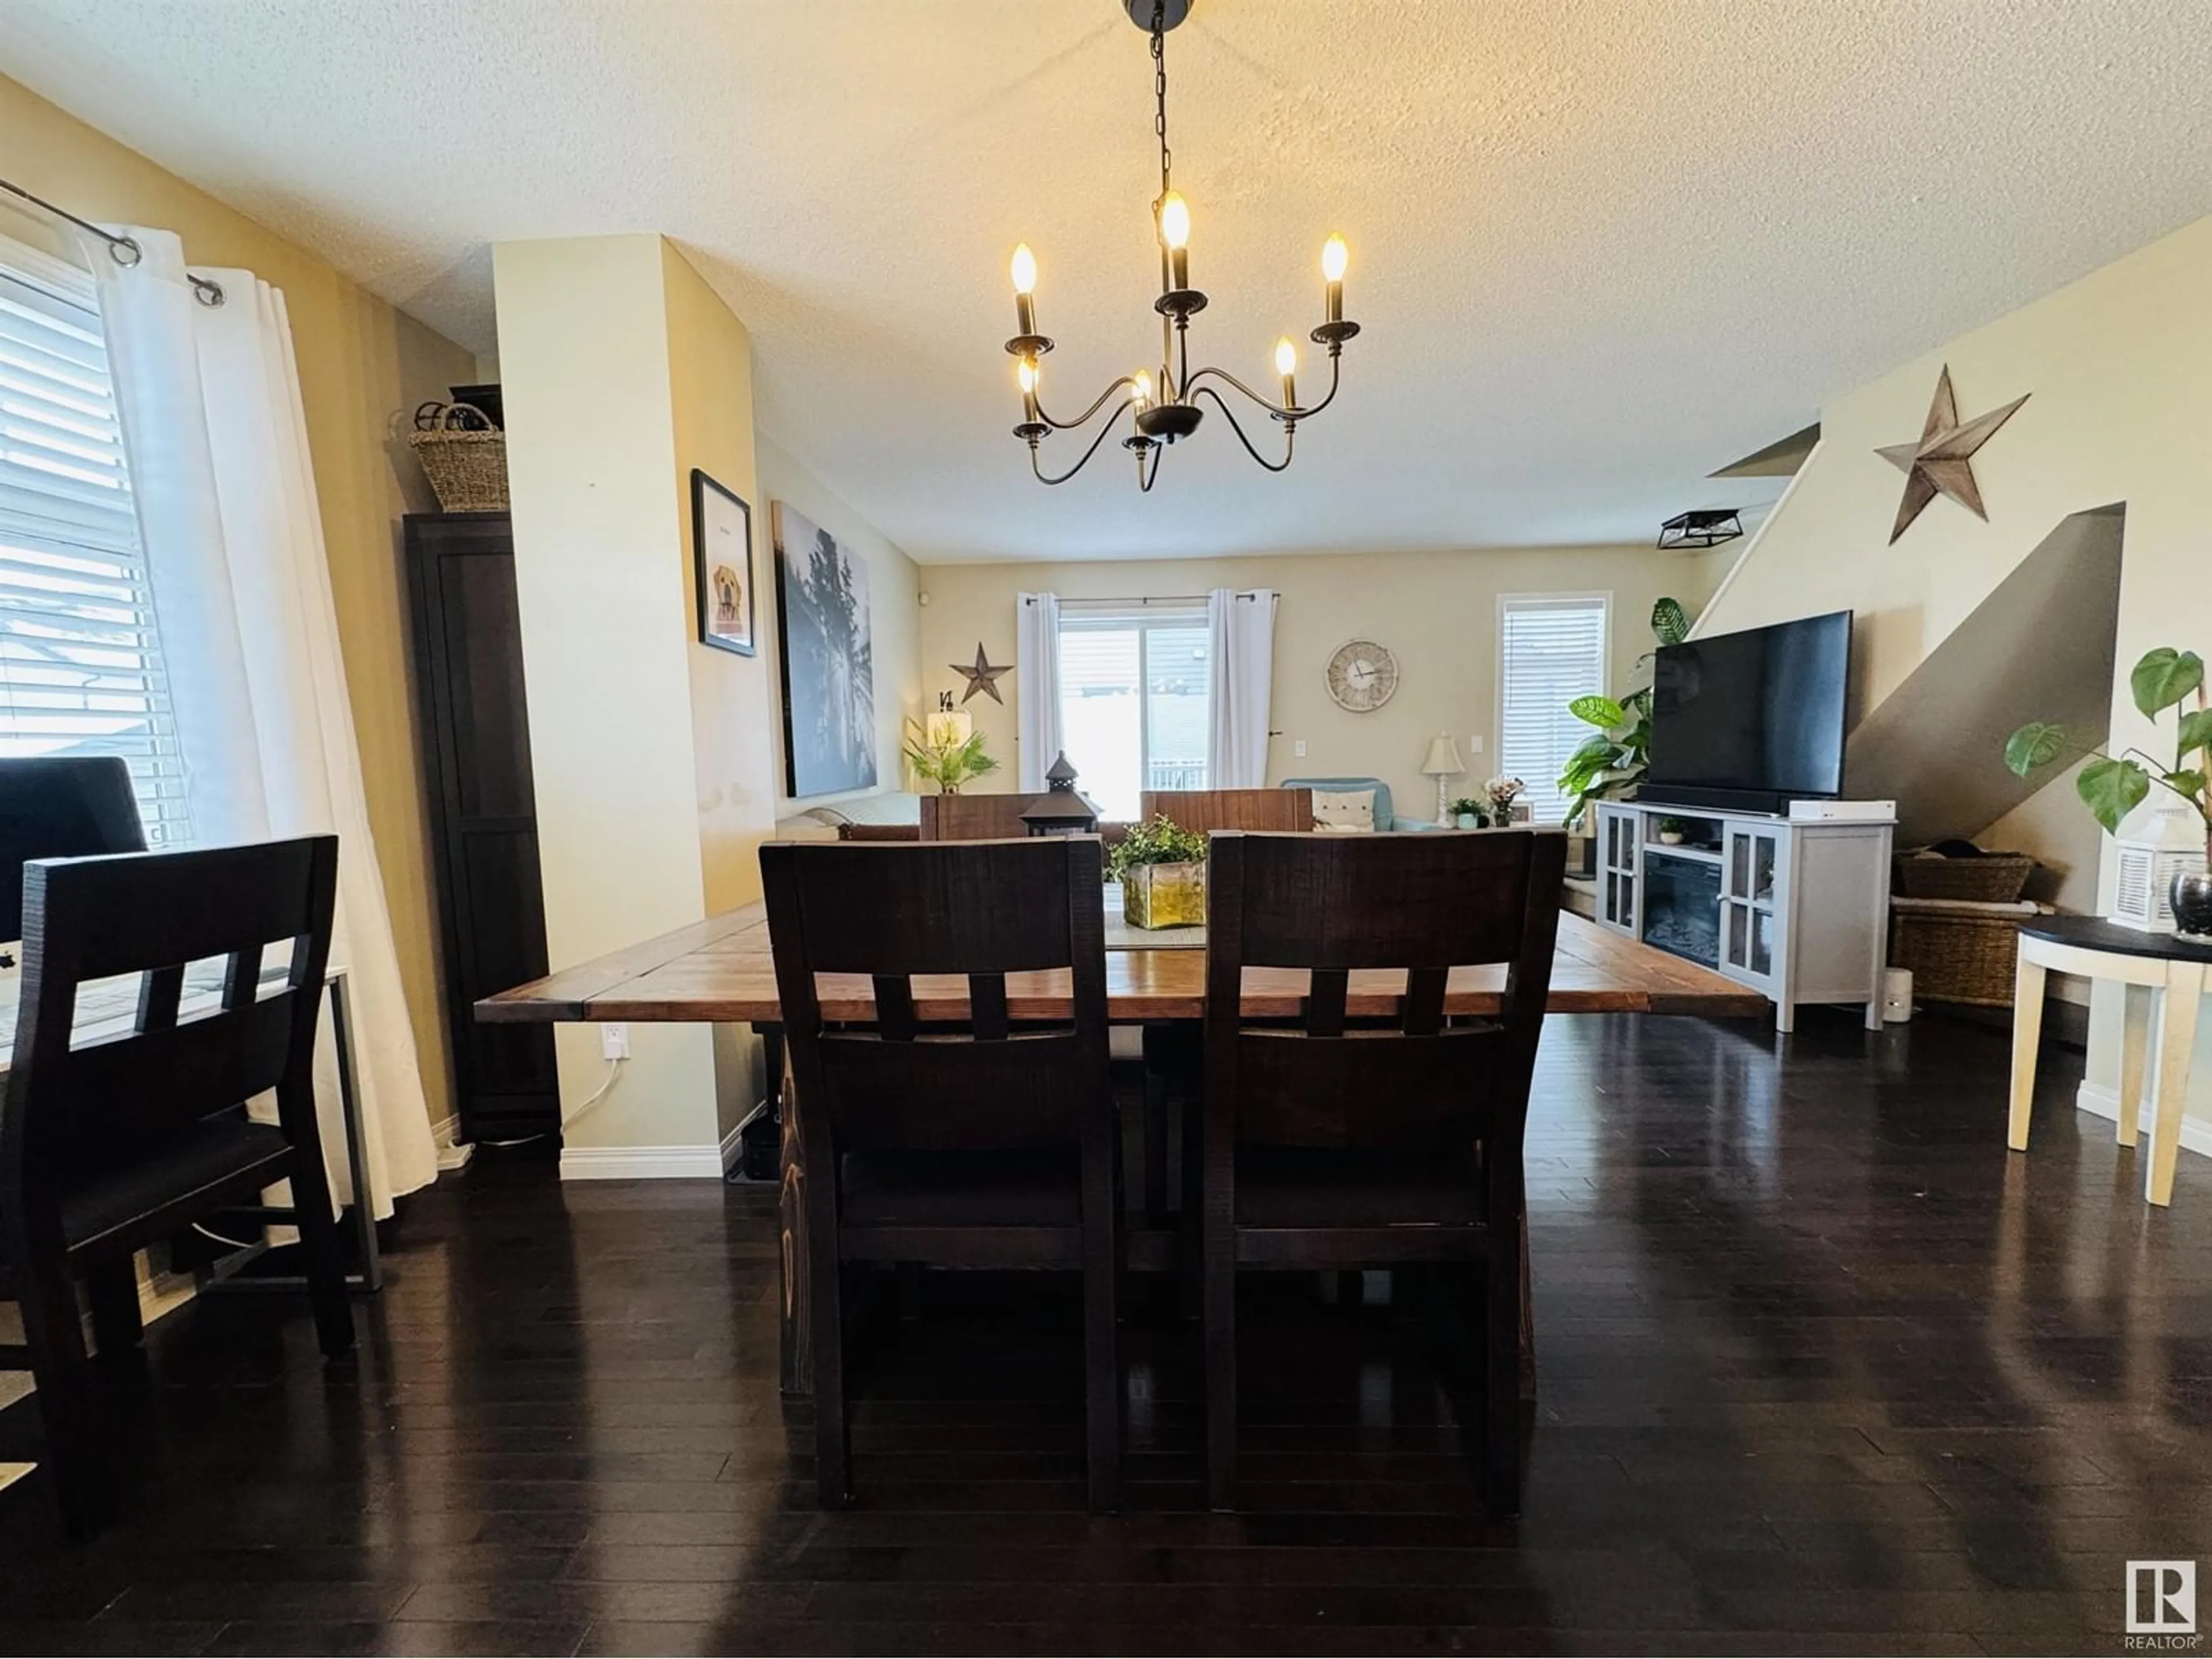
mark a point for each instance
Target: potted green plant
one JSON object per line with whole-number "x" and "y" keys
{"x": 948, "y": 760}
{"x": 1467, "y": 813}
{"x": 1613, "y": 759}
{"x": 1671, "y": 831}
{"x": 2114, "y": 786}
{"x": 1162, "y": 870}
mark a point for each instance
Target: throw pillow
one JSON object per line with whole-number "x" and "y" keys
{"x": 1343, "y": 812}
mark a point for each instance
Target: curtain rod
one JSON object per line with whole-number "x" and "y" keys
{"x": 206, "y": 292}
{"x": 1157, "y": 598}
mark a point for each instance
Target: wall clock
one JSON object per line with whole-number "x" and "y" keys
{"x": 1362, "y": 676}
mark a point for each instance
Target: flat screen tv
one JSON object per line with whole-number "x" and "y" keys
{"x": 1754, "y": 720}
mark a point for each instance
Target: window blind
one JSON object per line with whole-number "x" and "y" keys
{"x": 1136, "y": 686}
{"x": 81, "y": 670}
{"x": 1551, "y": 651}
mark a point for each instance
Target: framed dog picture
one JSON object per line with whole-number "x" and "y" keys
{"x": 722, "y": 558}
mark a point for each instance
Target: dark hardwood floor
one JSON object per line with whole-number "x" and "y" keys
{"x": 1823, "y": 1369}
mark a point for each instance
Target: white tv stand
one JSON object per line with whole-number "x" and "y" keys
{"x": 1797, "y": 909}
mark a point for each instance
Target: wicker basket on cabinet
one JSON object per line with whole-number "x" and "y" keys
{"x": 464, "y": 455}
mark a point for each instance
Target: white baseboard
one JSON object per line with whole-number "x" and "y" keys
{"x": 2096, "y": 1098}
{"x": 641, "y": 1163}
{"x": 453, "y": 1153}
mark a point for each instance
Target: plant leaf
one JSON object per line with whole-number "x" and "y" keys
{"x": 2164, "y": 678}
{"x": 2037, "y": 743}
{"x": 2112, "y": 789}
{"x": 2196, "y": 732}
{"x": 1601, "y": 711}
{"x": 2188, "y": 783}
{"x": 1670, "y": 623}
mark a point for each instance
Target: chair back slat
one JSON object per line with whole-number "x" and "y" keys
{"x": 974, "y": 817}
{"x": 981, "y": 910}
{"x": 158, "y": 994}
{"x": 986, "y": 1006}
{"x": 1422, "y": 903}
{"x": 937, "y": 909}
{"x": 894, "y": 1007}
{"x": 1205, "y": 811}
{"x": 1297, "y": 1089}
{"x": 945, "y": 1092}
{"x": 153, "y": 916}
{"x": 1324, "y": 1000}
{"x": 1439, "y": 899}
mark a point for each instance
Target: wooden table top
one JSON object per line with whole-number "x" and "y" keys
{"x": 719, "y": 970}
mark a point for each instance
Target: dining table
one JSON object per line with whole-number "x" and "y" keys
{"x": 721, "y": 970}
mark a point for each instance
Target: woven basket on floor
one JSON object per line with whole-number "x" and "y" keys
{"x": 1993, "y": 878}
{"x": 1959, "y": 952}
{"x": 464, "y": 455}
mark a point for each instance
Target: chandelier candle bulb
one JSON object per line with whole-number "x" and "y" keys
{"x": 1025, "y": 271}
{"x": 1027, "y": 374}
{"x": 1334, "y": 256}
{"x": 1286, "y": 365}
{"x": 1175, "y": 236}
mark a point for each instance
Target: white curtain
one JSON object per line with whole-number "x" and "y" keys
{"x": 225, "y": 494}
{"x": 1037, "y": 687}
{"x": 1242, "y": 630}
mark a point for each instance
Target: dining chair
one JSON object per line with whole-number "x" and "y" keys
{"x": 1204, "y": 811}
{"x": 113, "y": 1144}
{"x": 972, "y": 1140}
{"x": 1336, "y": 1141}
{"x": 973, "y": 817}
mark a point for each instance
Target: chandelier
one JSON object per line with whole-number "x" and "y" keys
{"x": 1163, "y": 405}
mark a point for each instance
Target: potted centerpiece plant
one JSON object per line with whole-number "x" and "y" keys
{"x": 2112, "y": 787}
{"x": 1467, "y": 813}
{"x": 1498, "y": 796}
{"x": 1162, "y": 870}
{"x": 1671, "y": 831}
{"x": 942, "y": 757}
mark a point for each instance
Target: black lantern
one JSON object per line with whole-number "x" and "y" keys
{"x": 1059, "y": 811}
{"x": 1705, "y": 527}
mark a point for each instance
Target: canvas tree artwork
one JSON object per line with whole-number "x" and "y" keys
{"x": 828, "y": 666}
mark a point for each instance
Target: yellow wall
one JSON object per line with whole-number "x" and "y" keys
{"x": 362, "y": 364}
{"x": 894, "y": 619}
{"x": 2119, "y": 368}
{"x": 1437, "y": 612}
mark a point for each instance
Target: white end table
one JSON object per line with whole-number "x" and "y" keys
{"x": 2153, "y": 967}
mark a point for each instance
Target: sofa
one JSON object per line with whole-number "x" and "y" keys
{"x": 1386, "y": 816}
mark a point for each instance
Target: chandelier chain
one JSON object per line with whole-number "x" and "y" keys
{"x": 1160, "y": 89}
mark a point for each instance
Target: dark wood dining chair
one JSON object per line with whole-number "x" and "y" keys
{"x": 1204, "y": 811}
{"x": 126, "y": 1139}
{"x": 1336, "y": 1142}
{"x": 974, "y": 817}
{"x": 972, "y": 1140}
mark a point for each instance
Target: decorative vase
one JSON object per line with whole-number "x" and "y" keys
{"x": 1164, "y": 895}
{"x": 2191, "y": 898}
{"x": 1468, "y": 821}
{"x": 1670, "y": 837}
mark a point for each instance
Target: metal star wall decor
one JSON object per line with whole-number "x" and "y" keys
{"x": 1941, "y": 463}
{"x": 982, "y": 676}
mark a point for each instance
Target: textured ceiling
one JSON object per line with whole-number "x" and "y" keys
{"x": 1600, "y": 247}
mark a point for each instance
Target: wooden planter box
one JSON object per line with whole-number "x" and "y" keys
{"x": 1164, "y": 895}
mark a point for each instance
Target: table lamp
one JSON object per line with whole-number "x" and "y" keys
{"x": 1443, "y": 761}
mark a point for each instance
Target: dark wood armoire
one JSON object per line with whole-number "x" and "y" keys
{"x": 483, "y": 814}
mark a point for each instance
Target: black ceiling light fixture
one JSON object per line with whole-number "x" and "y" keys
{"x": 1704, "y": 527}
{"x": 1164, "y": 403}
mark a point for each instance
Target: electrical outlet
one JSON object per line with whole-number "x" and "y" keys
{"x": 614, "y": 1041}
{"x": 1299, "y": 748}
